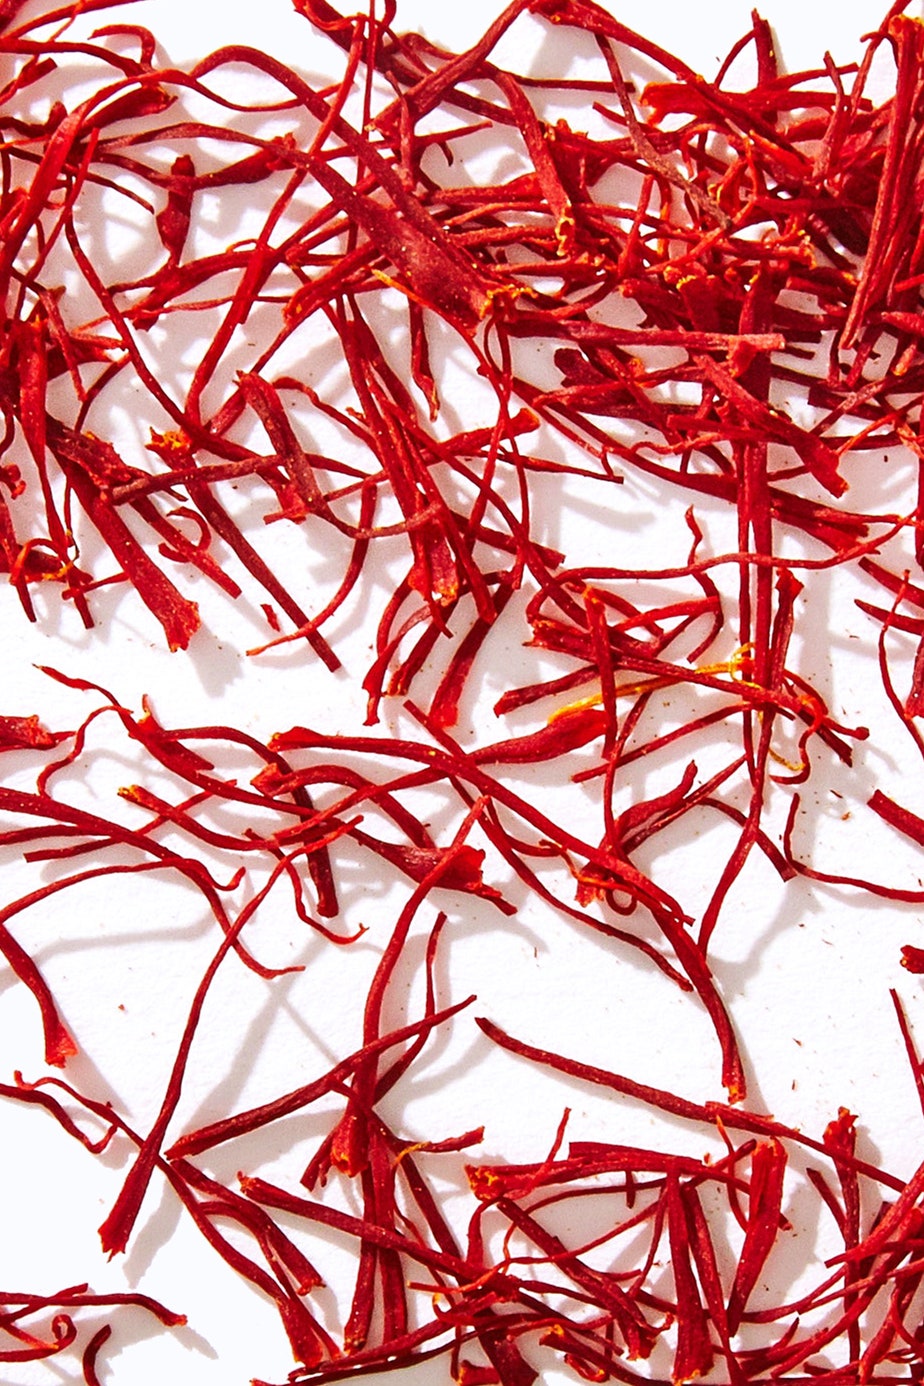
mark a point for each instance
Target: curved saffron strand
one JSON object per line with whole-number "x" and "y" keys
{"x": 242, "y": 1123}
{"x": 117, "y": 1226}
{"x": 709, "y": 1113}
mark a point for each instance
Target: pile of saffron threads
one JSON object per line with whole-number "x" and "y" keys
{"x": 674, "y": 283}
